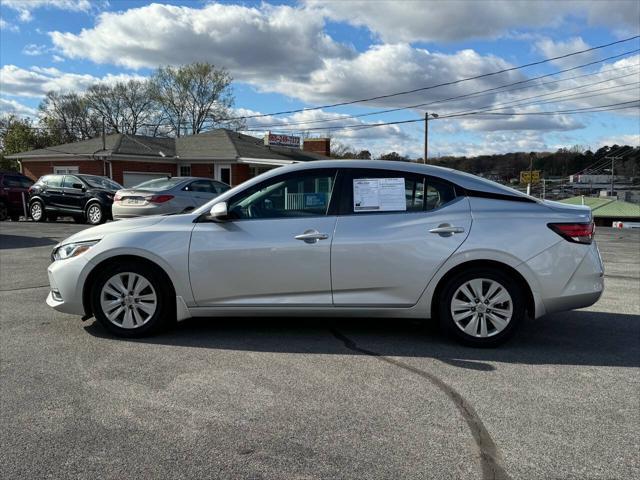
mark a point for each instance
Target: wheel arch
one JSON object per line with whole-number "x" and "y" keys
{"x": 91, "y": 277}
{"x": 497, "y": 265}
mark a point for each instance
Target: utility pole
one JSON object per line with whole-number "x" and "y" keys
{"x": 612, "y": 160}
{"x": 426, "y": 136}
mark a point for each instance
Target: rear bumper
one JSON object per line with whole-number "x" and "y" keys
{"x": 571, "y": 276}
{"x": 120, "y": 212}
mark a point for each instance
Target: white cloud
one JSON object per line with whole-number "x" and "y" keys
{"x": 253, "y": 43}
{"x": 33, "y": 50}
{"x": 631, "y": 139}
{"x": 37, "y": 81}
{"x": 489, "y": 144}
{"x": 551, "y": 49}
{"x": 25, "y": 8}
{"x": 8, "y": 106}
{"x": 399, "y": 67}
{"x": 7, "y": 26}
{"x": 412, "y": 21}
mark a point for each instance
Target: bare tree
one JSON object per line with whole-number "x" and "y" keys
{"x": 194, "y": 98}
{"x": 70, "y": 115}
{"x": 125, "y": 106}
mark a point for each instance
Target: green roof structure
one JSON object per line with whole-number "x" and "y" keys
{"x": 607, "y": 207}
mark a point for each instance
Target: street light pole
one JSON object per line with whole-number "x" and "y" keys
{"x": 426, "y": 134}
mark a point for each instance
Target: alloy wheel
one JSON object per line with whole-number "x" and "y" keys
{"x": 36, "y": 211}
{"x": 94, "y": 214}
{"x": 128, "y": 300}
{"x": 481, "y": 307}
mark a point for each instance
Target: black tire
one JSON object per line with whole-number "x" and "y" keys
{"x": 37, "y": 212}
{"x": 4, "y": 212}
{"x": 94, "y": 214}
{"x": 165, "y": 310}
{"x": 495, "y": 336}
{"x": 15, "y": 218}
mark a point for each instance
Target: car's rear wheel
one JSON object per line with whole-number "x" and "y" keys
{"x": 4, "y": 212}
{"x": 482, "y": 306}
{"x": 132, "y": 301}
{"x": 36, "y": 210}
{"x": 94, "y": 214}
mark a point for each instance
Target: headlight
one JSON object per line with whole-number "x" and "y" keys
{"x": 72, "y": 249}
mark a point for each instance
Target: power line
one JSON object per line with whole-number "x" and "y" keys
{"x": 263, "y": 127}
{"x": 601, "y": 108}
{"x": 430, "y": 87}
{"x": 482, "y": 92}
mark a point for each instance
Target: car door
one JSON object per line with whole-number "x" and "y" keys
{"x": 394, "y": 232}
{"x": 52, "y": 192}
{"x": 275, "y": 247}
{"x": 73, "y": 194}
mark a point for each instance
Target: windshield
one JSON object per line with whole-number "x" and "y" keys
{"x": 102, "y": 182}
{"x": 158, "y": 184}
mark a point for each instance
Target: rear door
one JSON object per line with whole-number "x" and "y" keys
{"x": 394, "y": 231}
{"x": 15, "y": 188}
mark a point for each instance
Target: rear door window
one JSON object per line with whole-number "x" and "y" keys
{"x": 16, "y": 181}
{"x": 384, "y": 191}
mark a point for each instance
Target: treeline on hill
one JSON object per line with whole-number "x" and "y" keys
{"x": 561, "y": 163}
{"x": 173, "y": 101}
{"x": 507, "y": 166}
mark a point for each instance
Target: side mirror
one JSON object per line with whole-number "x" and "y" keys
{"x": 219, "y": 211}
{"x": 79, "y": 186}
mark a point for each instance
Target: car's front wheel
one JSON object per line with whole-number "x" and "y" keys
{"x": 132, "y": 300}
{"x": 482, "y": 306}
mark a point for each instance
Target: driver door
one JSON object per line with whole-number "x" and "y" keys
{"x": 274, "y": 249}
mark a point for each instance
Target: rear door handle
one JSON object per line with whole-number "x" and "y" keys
{"x": 311, "y": 236}
{"x": 446, "y": 230}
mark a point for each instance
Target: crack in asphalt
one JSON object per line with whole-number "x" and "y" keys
{"x": 24, "y": 288}
{"x": 489, "y": 455}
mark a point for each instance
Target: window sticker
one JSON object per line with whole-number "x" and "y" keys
{"x": 379, "y": 195}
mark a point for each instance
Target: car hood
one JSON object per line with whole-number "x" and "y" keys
{"x": 99, "y": 232}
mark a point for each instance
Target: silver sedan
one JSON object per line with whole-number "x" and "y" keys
{"x": 339, "y": 238}
{"x": 163, "y": 196}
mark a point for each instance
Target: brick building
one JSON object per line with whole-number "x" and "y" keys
{"x": 130, "y": 159}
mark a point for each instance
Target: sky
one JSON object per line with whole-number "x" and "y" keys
{"x": 310, "y": 53}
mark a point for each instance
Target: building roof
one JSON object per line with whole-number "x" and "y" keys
{"x": 218, "y": 144}
{"x": 115, "y": 143}
{"x": 607, "y": 207}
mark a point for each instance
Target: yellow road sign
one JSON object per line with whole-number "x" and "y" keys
{"x": 534, "y": 178}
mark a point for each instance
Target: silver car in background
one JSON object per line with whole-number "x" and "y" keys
{"x": 162, "y": 196}
{"x": 339, "y": 238}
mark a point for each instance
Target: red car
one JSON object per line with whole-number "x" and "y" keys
{"x": 14, "y": 189}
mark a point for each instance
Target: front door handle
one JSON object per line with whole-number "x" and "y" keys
{"x": 446, "y": 230}
{"x": 311, "y": 236}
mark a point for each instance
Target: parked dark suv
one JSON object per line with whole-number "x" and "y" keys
{"x": 86, "y": 198}
{"x": 13, "y": 192}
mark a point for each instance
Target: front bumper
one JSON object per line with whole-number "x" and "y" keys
{"x": 66, "y": 279}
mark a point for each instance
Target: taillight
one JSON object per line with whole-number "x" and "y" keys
{"x": 160, "y": 198}
{"x": 574, "y": 232}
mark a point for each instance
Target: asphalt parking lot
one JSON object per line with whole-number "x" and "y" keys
{"x": 315, "y": 398}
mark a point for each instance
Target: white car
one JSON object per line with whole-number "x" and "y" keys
{"x": 339, "y": 238}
